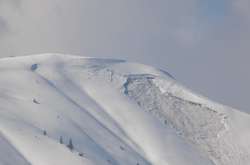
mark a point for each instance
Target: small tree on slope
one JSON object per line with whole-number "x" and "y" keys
{"x": 70, "y": 145}
{"x": 61, "y": 140}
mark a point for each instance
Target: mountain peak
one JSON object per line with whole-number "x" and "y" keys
{"x": 63, "y": 109}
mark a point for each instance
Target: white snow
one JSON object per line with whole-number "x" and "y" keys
{"x": 115, "y": 112}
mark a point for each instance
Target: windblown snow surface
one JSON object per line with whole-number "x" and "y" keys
{"x": 115, "y": 113}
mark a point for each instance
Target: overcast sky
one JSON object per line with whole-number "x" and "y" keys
{"x": 205, "y": 44}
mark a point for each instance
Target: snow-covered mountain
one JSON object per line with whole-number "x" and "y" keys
{"x": 114, "y": 113}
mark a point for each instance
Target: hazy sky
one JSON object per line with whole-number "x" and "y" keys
{"x": 205, "y": 44}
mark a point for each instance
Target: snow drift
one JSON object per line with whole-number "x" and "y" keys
{"x": 114, "y": 112}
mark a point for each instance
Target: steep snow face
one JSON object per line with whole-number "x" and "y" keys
{"x": 114, "y": 112}
{"x": 199, "y": 124}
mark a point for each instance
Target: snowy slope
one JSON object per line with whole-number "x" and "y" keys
{"x": 115, "y": 112}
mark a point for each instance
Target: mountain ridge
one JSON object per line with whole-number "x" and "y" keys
{"x": 115, "y": 112}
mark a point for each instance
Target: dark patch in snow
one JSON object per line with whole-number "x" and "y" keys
{"x": 35, "y": 101}
{"x": 122, "y": 148}
{"x": 44, "y": 132}
{"x": 34, "y": 67}
{"x": 81, "y": 154}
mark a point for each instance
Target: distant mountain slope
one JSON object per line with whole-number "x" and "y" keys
{"x": 114, "y": 112}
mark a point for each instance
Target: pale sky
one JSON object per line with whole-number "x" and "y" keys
{"x": 204, "y": 44}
